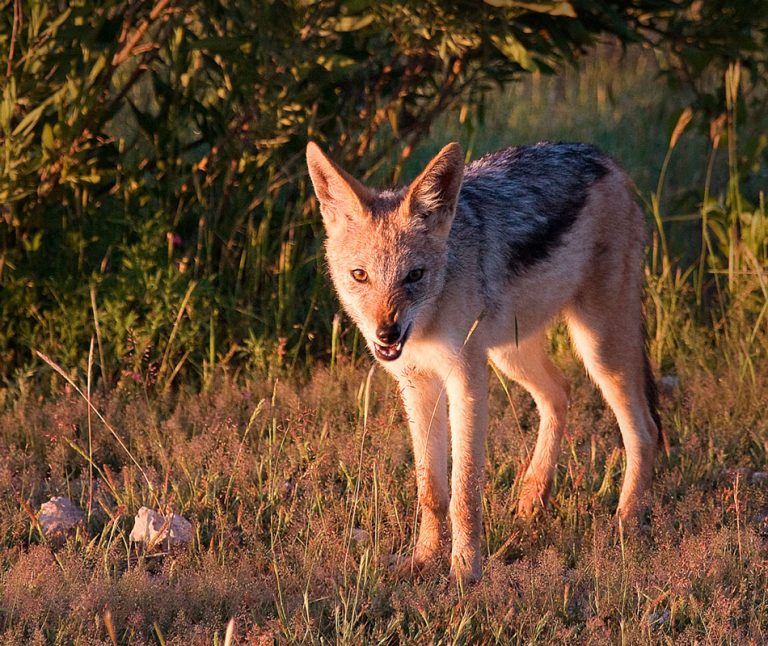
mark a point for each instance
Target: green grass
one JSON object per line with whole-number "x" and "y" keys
{"x": 615, "y": 99}
{"x": 300, "y": 484}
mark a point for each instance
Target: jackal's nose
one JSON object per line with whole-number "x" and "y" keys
{"x": 388, "y": 334}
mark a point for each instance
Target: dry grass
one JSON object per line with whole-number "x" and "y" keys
{"x": 273, "y": 520}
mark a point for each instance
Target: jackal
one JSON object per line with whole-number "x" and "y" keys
{"x": 471, "y": 263}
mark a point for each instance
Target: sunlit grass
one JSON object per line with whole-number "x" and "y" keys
{"x": 299, "y": 497}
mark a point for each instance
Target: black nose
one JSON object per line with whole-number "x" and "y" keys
{"x": 388, "y": 334}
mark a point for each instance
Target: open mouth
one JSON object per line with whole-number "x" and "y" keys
{"x": 391, "y": 352}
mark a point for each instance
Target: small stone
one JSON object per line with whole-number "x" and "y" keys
{"x": 760, "y": 477}
{"x": 151, "y": 528}
{"x": 658, "y": 618}
{"x": 286, "y": 488}
{"x": 669, "y": 383}
{"x": 360, "y": 535}
{"x": 59, "y": 516}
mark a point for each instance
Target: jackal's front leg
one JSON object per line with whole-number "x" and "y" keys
{"x": 424, "y": 400}
{"x": 468, "y": 400}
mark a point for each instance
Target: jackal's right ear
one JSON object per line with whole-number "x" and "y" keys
{"x": 434, "y": 193}
{"x": 340, "y": 195}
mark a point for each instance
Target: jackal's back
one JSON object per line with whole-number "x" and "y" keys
{"x": 520, "y": 202}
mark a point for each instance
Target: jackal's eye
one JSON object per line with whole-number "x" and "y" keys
{"x": 414, "y": 276}
{"x": 360, "y": 275}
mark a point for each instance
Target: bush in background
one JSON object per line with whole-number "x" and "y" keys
{"x": 152, "y": 184}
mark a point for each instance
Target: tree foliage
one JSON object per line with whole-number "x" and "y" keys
{"x": 152, "y": 185}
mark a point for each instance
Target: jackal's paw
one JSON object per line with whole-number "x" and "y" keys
{"x": 633, "y": 518}
{"x": 430, "y": 548}
{"x": 466, "y": 567}
{"x": 414, "y": 564}
{"x": 533, "y": 498}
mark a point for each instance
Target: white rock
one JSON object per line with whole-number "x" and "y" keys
{"x": 152, "y": 528}
{"x": 58, "y": 516}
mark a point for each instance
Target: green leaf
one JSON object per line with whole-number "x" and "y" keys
{"x": 47, "y": 138}
{"x": 550, "y": 8}
{"x": 33, "y": 244}
{"x": 146, "y": 122}
{"x": 33, "y": 116}
{"x": 97, "y": 68}
{"x": 515, "y": 51}
{"x": 353, "y": 23}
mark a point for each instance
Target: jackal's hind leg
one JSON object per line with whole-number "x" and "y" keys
{"x": 607, "y": 332}
{"x": 529, "y": 365}
{"x": 425, "y": 405}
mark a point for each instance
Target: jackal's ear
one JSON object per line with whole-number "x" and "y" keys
{"x": 433, "y": 194}
{"x": 340, "y": 195}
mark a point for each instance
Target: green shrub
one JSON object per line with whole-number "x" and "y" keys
{"x": 152, "y": 183}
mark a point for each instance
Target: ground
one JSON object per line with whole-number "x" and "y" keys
{"x": 301, "y": 489}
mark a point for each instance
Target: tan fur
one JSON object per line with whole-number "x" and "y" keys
{"x": 593, "y": 278}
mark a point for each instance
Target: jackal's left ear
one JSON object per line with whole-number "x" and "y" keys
{"x": 433, "y": 194}
{"x": 340, "y": 195}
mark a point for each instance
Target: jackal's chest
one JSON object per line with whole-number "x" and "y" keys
{"x": 435, "y": 356}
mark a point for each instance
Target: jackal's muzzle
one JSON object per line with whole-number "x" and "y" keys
{"x": 390, "y": 342}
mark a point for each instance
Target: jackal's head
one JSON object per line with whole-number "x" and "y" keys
{"x": 387, "y": 248}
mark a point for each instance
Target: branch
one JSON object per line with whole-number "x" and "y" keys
{"x": 131, "y": 41}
